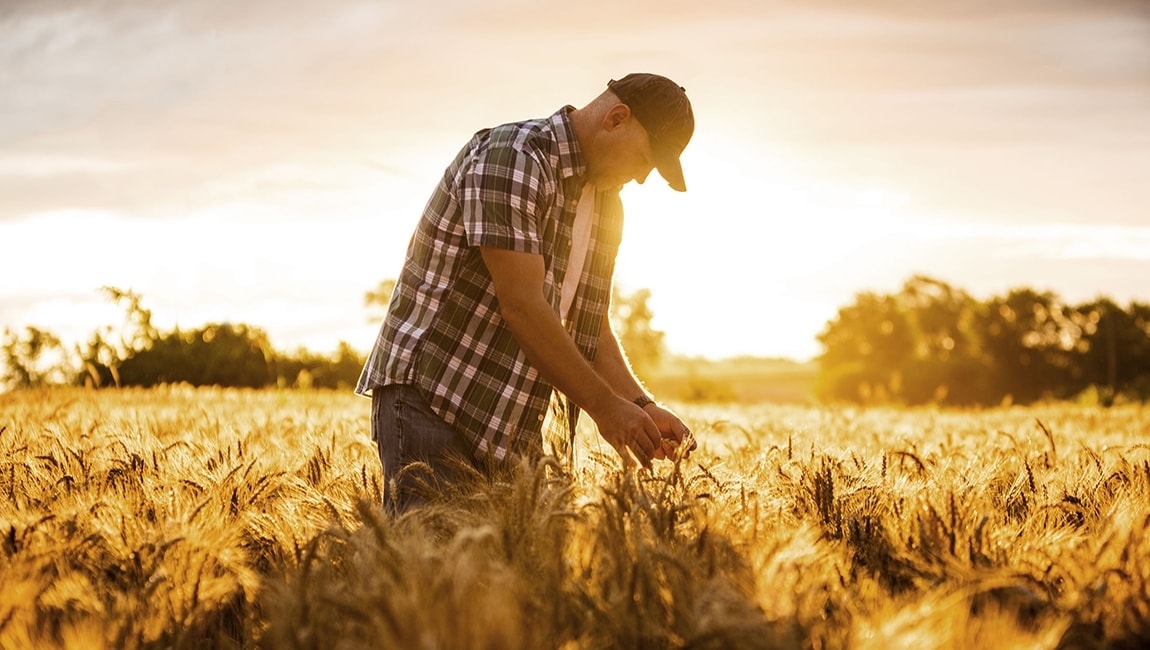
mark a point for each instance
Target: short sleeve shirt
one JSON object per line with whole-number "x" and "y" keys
{"x": 513, "y": 187}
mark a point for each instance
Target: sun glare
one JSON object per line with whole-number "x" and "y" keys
{"x": 753, "y": 245}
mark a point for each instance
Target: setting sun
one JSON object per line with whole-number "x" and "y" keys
{"x": 748, "y": 245}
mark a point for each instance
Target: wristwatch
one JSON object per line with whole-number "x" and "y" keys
{"x": 643, "y": 400}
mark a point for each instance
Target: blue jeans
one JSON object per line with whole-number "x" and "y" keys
{"x": 407, "y": 431}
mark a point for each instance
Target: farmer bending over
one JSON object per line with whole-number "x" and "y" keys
{"x": 504, "y": 295}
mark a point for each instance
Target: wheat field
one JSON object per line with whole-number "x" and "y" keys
{"x": 209, "y": 518}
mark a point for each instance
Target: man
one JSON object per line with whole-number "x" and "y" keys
{"x": 505, "y": 291}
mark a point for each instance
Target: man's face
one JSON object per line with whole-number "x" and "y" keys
{"x": 626, "y": 155}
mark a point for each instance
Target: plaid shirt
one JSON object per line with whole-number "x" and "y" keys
{"x": 513, "y": 187}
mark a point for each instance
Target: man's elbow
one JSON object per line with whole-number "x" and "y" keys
{"x": 518, "y": 314}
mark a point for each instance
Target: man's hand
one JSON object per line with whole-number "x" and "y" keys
{"x": 641, "y": 435}
{"x": 672, "y": 432}
{"x": 631, "y": 431}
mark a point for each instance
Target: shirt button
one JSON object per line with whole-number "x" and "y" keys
{"x": 540, "y": 418}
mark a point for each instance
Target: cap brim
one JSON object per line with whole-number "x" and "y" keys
{"x": 672, "y": 172}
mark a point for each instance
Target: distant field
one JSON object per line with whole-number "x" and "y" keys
{"x": 744, "y": 380}
{"x": 217, "y": 518}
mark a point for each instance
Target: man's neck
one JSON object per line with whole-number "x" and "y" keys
{"x": 585, "y": 123}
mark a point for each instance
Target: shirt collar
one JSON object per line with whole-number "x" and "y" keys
{"x": 571, "y": 161}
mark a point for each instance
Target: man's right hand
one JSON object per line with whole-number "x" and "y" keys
{"x": 629, "y": 429}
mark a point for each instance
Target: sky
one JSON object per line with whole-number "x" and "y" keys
{"x": 265, "y": 162}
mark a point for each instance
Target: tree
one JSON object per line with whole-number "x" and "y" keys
{"x": 1113, "y": 348}
{"x": 631, "y": 317}
{"x": 101, "y": 356}
{"x": 138, "y": 332}
{"x": 218, "y": 354}
{"x": 934, "y": 343}
{"x": 99, "y": 361}
{"x": 947, "y": 363}
{"x": 864, "y": 349}
{"x": 1028, "y": 337}
{"x": 34, "y": 359}
{"x": 305, "y": 369}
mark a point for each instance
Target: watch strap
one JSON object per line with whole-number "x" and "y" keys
{"x": 643, "y": 400}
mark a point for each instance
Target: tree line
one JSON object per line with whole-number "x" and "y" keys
{"x": 136, "y": 353}
{"x": 929, "y": 343}
{"x": 933, "y": 343}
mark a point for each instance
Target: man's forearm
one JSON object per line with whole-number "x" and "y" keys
{"x": 518, "y": 279}
{"x": 552, "y": 351}
{"x": 612, "y": 366}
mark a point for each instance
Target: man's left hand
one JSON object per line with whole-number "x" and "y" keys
{"x": 673, "y": 431}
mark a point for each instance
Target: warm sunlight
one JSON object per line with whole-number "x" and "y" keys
{"x": 745, "y": 255}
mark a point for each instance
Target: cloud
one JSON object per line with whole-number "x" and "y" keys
{"x": 1055, "y": 241}
{"x": 142, "y": 107}
{"x": 983, "y": 108}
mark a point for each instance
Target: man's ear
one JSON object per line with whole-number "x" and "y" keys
{"x": 616, "y": 116}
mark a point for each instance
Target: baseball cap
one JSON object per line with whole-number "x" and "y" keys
{"x": 662, "y": 107}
